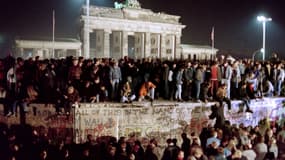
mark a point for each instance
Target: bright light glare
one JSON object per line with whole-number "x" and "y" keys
{"x": 263, "y": 19}
{"x": 260, "y": 18}
{"x": 262, "y": 50}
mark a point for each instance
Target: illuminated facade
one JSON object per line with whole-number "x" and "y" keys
{"x": 130, "y": 31}
{"x": 44, "y": 48}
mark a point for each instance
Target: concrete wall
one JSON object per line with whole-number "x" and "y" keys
{"x": 160, "y": 120}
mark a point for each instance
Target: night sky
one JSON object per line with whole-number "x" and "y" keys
{"x": 236, "y": 29}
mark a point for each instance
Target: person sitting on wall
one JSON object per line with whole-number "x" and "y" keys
{"x": 147, "y": 91}
{"x": 71, "y": 97}
{"x": 251, "y": 85}
{"x": 25, "y": 96}
{"x": 244, "y": 97}
{"x": 127, "y": 91}
{"x": 99, "y": 91}
{"x": 221, "y": 96}
{"x": 268, "y": 89}
{"x": 3, "y": 98}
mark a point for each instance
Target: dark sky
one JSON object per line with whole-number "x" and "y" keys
{"x": 236, "y": 27}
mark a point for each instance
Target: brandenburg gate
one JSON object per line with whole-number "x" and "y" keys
{"x": 149, "y": 34}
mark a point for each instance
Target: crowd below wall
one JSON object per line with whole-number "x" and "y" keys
{"x": 231, "y": 142}
{"x": 64, "y": 82}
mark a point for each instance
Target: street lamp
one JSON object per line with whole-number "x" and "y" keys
{"x": 87, "y": 10}
{"x": 263, "y": 20}
{"x": 86, "y": 36}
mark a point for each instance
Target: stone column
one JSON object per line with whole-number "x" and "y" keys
{"x": 173, "y": 44}
{"x": 158, "y": 46}
{"x": 125, "y": 51}
{"x": 142, "y": 46}
{"x": 147, "y": 45}
{"x": 86, "y": 42}
{"x": 45, "y": 53}
{"x": 49, "y": 53}
{"x": 162, "y": 46}
{"x": 177, "y": 54}
{"x": 21, "y": 52}
{"x": 106, "y": 44}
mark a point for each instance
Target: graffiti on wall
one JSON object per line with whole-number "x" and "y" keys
{"x": 160, "y": 121}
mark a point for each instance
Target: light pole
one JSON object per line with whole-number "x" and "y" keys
{"x": 86, "y": 36}
{"x": 263, "y": 20}
{"x": 87, "y": 10}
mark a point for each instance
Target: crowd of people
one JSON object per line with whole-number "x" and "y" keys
{"x": 65, "y": 82}
{"x": 231, "y": 142}
{"x": 72, "y": 80}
